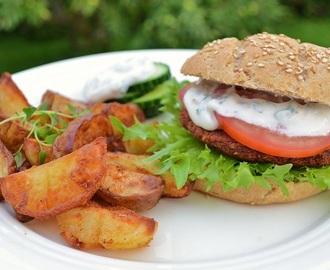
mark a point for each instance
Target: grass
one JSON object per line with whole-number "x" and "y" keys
{"x": 18, "y": 53}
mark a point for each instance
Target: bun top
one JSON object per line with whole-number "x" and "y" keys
{"x": 268, "y": 62}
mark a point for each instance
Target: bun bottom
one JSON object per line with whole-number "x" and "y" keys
{"x": 256, "y": 194}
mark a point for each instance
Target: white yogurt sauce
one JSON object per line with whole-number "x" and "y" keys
{"x": 289, "y": 118}
{"x": 114, "y": 81}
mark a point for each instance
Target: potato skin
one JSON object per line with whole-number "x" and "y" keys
{"x": 12, "y": 134}
{"x": 57, "y": 186}
{"x": 12, "y": 98}
{"x": 126, "y": 113}
{"x": 138, "y": 163}
{"x": 135, "y": 190}
{"x": 32, "y": 150}
{"x": 59, "y": 103}
{"x": 7, "y": 163}
{"x": 81, "y": 131}
{"x": 92, "y": 225}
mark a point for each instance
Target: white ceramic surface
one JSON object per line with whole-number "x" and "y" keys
{"x": 197, "y": 232}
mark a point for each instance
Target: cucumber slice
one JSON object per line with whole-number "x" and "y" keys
{"x": 162, "y": 74}
{"x": 151, "y": 102}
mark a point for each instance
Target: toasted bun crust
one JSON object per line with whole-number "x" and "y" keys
{"x": 268, "y": 62}
{"x": 256, "y": 194}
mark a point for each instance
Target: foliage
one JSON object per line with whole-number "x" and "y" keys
{"x": 308, "y": 8}
{"x": 54, "y": 30}
{"x": 101, "y": 25}
{"x": 15, "y": 12}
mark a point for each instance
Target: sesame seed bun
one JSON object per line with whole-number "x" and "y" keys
{"x": 268, "y": 62}
{"x": 256, "y": 194}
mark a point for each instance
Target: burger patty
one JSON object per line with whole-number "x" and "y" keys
{"x": 219, "y": 140}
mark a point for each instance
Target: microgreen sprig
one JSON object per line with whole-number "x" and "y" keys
{"x": 43, "y": 125}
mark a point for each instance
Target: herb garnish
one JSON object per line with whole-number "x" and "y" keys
{"x": 43, "y": 125}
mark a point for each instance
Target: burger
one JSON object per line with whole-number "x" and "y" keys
{"x": 262, "y": 100}
{"x": 253, "y": 126}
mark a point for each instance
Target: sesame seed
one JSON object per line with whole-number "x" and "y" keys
{"x": 324, "y": 60}
{"x": 289, "y": 70}
{"x": 292, "y": 57}
{"x": 261, "y": 65}
{"x": 280, "y": 63}
{"x": 249, "y": 64}
{"x": 300, "y": 77}
{"x": 300, "y": 70}
{"x": 264, "y": 53}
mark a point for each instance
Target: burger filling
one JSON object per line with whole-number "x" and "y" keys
{"x": 273, "y": 125}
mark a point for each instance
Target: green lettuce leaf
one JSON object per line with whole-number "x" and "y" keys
{"x": 189, "y": 159}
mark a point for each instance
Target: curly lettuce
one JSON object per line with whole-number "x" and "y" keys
{"x": 189, "y": 159}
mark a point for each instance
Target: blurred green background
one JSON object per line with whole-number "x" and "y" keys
{"x": 35, "y": 32}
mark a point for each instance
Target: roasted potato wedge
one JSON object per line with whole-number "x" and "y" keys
{"x": 126, "y": 113}
{"x": 12, "y": 99}
{"x": 81, "y": 131}
{"x": 59, "y": 103}
{"x": 138, "y": 163}
{"x": 137, "y": 146}
{"x": 22, "y": 218}
{"x": 12, "y": 134}
{"x": 32, "y": 150}
{"x": 171, "y": 190}
{"x": 57, "y": 186}
{"x": 7, "y": 163}
{"x": 93, "y": 225}
{"x": 135, "y": 190}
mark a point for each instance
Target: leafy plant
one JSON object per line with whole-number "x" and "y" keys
{"x": 119, "y": 25}
{"x": 15, "y": 12}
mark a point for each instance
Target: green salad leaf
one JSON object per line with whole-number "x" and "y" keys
{"x": 189, "y": 159}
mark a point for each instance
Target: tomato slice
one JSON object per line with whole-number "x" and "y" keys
{"x": 272, "y": 143}
{"x": 183, "y": 91}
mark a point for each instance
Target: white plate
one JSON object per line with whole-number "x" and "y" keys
{"x": 197, "y": 232}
